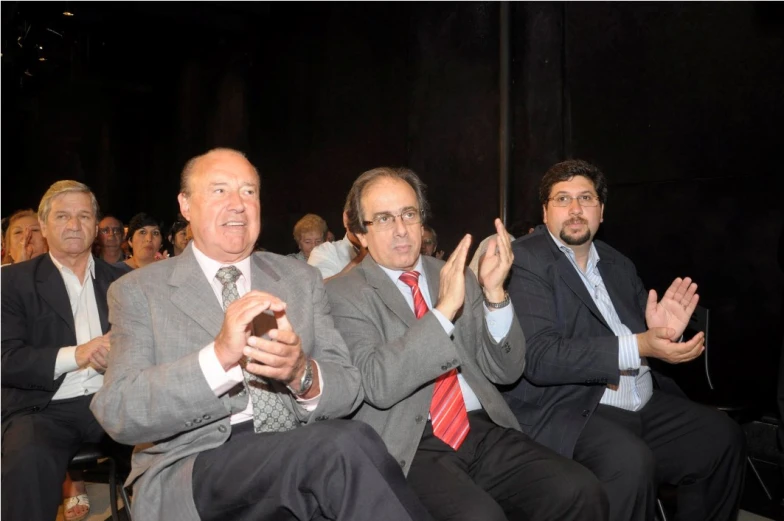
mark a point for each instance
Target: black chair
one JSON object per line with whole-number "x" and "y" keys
{"x": 117, "y": 457}
{"x": 740, "y": 412}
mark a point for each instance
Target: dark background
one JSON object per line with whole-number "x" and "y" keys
{"x": 680, "y": 104}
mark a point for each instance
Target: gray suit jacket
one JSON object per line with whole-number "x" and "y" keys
{"x": 400, "y": 357}
{"x": 572, "y": 352}
{"x": 155, "y": 394}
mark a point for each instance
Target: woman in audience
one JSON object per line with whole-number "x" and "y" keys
{"x": 309, "y": 232}
{"x": 144, "y": 241}
{"x": 23, "y": 239}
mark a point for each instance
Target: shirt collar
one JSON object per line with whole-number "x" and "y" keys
{"x": 61, "y": 267}
{"x": 395, "y": 274}
{"x": 210, "y": 266}
{"x": 593, "y": 254}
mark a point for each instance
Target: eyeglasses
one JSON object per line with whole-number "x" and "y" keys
{"x": 428, "y": 241}
{"x": 111, "y": 230}
{"x": 582, "y": 200}
{"x": 385, "y": 221}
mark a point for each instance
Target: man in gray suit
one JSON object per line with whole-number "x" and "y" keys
{"x": 233, "y": 419}
{"x": 430, "y": 343}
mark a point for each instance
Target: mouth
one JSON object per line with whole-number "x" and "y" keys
{"x": 234, "y": 224}
{"x": 403, "y": 248}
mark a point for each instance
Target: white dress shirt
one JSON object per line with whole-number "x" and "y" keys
{"x": 87, "y": 322}
{"x": 331, "y": 257}
{"x": 219, "y": 380}
{"x": 498, "y": 322}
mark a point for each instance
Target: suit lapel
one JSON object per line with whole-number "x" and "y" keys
{"x": 615, "y": 283}
{"x": 433, "y": 274}
{"x": 387, "y": 291}
{"x": 194, "y": 295}
{"x": 51, "y": 288}
{"x": 571, "y": 278}
{"x": 101, "y": 285}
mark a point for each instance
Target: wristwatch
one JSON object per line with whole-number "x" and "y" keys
{"x": 306, "y": 382}
{"x": 499, "y": 305}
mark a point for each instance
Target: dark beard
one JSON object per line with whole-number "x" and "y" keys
{"x": 575, "y": 241}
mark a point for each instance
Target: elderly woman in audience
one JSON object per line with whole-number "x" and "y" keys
{"x": 144, "y": 239}
{"x": 309, "y": 232}
{"x": 23, "y": 239}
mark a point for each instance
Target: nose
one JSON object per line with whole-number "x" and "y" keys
{"x": 73, "y": 223}
{"x": 400, "y": 228}
{"x": 575, "y": 208}
{"x": 235, "y": 202}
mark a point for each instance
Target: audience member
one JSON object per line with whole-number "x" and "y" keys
{"x": 589, "y": 390}
{"x": 23, "y": 239}
{"x": 232, "y": 425}
{"x": 309, "y": 232}
{"x": 336, "y": 258}
{"x": 430, "y": 342}
{"x": 430, "y": 242}
{"x": 108, "y": 244}
{"x": 144, "y": 240}
{"x": 178, "y": 236}
{"x": 55, "y": 344}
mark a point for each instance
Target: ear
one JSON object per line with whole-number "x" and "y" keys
{"x": 345, "y": 220}
{"x": 544, "y": 213}
{"x": 362, "y": 239}
{"x": 185, "y": 206}
{"x": 42, "y": 225}
{"x": 601, "y": 213}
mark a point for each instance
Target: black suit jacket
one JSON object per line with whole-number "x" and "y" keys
{"x": 36, "y": 322}
{"x": 572, "y": 353}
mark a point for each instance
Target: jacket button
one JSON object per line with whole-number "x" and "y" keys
{"x": 402, "y": 463}
{"x": 454, "y": 362}
{"x": 197, "y": 421}
{"x": 221, "y": 428}
{"x": 586, "y": 413}
{"x": 444, "y": 367}
{"x": 419, "y": 418}
{"x": 207, "y": 417}
{"x": 188, "y": 424}
{"x": 35, "y": 409}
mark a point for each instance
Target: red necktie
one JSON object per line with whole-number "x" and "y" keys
{"x": 447, "y": 408}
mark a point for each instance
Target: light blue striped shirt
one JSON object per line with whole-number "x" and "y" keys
{"x": 636, "y": 386}
{"x": 499, "y": 322}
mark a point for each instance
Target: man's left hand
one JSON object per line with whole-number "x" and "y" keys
{"x": 280, "y": 358}
{"x": 675, "y": 308}
{"x": 495, "y": 264}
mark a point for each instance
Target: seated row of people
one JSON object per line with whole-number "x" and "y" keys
{"x": 405, "y": 387}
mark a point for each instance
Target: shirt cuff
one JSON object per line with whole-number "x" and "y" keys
{"x": 628, "y": 353}
{"x": 65, "y": 361}
{"x": 446, "y": 324}
{"x": 311, "y": 403}
{"x": 220, "y": 381}
{"x": 499, "y": 321}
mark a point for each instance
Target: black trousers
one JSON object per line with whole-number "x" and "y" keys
{"x": 500, "y": 474}
{"x": 671, "y": 440}
{"x": 336, "y": 469}
{"x": 37, "y": 448}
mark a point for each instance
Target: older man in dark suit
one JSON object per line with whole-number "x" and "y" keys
{"x": 588, "y": 390}
{"x": 55, "y": 342}
{"x": 430, "y": 342}
{"x": 235, "y": 419}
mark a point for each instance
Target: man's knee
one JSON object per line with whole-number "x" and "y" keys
{"x": 579, "y": 486}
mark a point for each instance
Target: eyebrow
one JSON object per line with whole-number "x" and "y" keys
{"x": 389, "y": 212}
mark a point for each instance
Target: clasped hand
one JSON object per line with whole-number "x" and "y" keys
{"x": 279, "y": 358}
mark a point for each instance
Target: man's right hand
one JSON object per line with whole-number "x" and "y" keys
{"x": 94, "y": 353}
{"x": 236, "y": 329}
{"x": 656, "y": 343}
{"x": 451, "y": 293}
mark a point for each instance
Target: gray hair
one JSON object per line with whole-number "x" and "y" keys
{"x": 63, "y": 187}
{"x": 193, "y": 162}
{"x": 353, "y": 206}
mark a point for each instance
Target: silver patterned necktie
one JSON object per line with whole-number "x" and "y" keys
{"x": 269, "y": 413}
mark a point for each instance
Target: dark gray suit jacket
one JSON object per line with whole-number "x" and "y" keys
{"x": 155, "y": 394}
{"x": 572, "y": 352}
{"x": 36, "y": 322}
{"x": 400, "y": 357}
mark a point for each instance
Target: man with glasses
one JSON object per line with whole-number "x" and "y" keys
{"x": 588, "y": 390}
{"x": 430, "y": 342}
{"x": 110, "y": 238}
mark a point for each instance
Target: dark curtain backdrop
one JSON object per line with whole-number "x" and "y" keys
{"x": 680, "y": 103}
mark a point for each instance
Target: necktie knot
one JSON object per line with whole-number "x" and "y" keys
{"x": 228, "y": 274}
{"x": 410, "y": 279}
